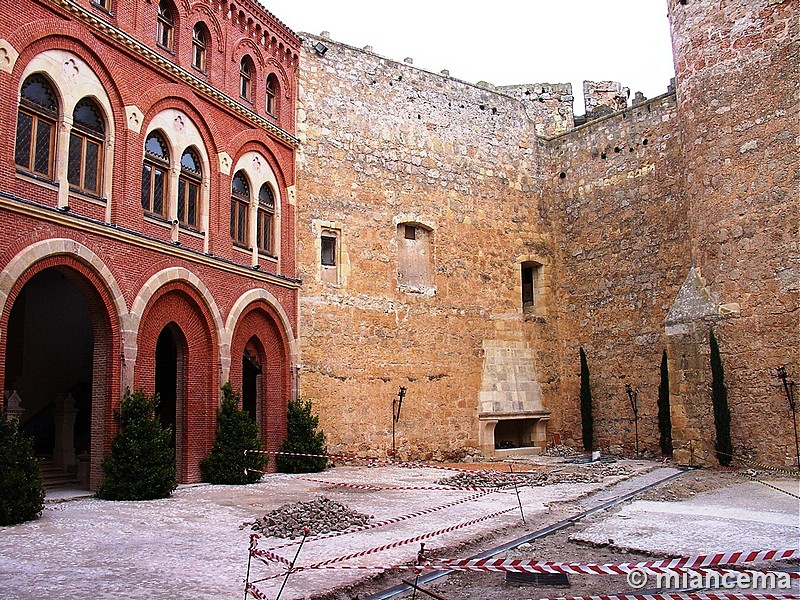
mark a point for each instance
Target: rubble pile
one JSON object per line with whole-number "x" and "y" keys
{"x": 589, "y": 473}
{"x": 488, "y": 479}
{"x": 561, "y": 451}
{"x": 320, "y": 515}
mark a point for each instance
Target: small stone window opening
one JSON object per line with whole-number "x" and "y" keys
{"x": 410, "y": 232}
{"x": 328, "y": 251}
{"x": 530, "y": 273}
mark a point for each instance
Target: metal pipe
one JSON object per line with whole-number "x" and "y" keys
{"x": 404, "y": 588}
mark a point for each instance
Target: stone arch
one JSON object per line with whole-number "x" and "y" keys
{"x": 106, "y": 307}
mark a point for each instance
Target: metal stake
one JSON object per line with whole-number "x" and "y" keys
{"x": 397, "y": 405}
{"x": 633, "y": 396}
{"x": 249, "y": 560}
{"x": 522, "y": 514}
{"x": 294, "y": 560}
{"x": 788, "y": 388}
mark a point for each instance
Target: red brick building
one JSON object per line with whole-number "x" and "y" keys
{"x": 147, "y": 173}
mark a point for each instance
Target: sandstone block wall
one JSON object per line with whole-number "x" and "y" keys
{"x": 622, "y": 257}
{"x": 738, "y": 90}
{"x": 385, "y": 144}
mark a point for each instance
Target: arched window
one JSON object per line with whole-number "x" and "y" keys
{"x": 199, "y": 45}
{"x": 272, "y": 94}
{"x": 86, "y": 147}
{"x": 189, "y": 188}
{"x": 165, "y": 26}
{"x": 240, "y": 200}
{"x": 155, "y": 171}
{"x": 266, "y": 217}
{"x": 246, "y": 78}
{"x": 36, "y": 125}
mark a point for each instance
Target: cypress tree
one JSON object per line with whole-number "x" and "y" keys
{"x": 21, "y": 489}
{"x": 142, "y": 461}
{"x": 664, "y": 419}
{"x": 236, "y": 432}
{"x": 587, "y": 424}
{"x": 719, "y": 399}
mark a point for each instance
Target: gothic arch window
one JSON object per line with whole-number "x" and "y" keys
{"x": 265, "y": 218}
{"x": 165, "y": 26}
{"x": 36, "y": 125}
{"x": 86, "y": 142}
{"x": 240, "y": 201}
{"x": 189, "y": 188}
{"x": 155, "y": 173}
{"x": 246, "y": 72}
{"x": 272, "y": 95}
{"x": 200, "y": 47}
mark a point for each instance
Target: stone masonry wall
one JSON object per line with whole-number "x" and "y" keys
{"x": 622, "y": 256}
{"x": 739, "y": 104}
{"x": 383, "y": 144}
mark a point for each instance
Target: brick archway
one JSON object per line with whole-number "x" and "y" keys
{"x": 259, "y": 330}
{"x": 177, "y": 305}
{"x": 81, "y": 269}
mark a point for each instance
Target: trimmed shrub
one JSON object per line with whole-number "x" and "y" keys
{"x": 303, "y": 438}
{"x": 142, "y": 461}
{"x": 21, "y": 489}
{"x": 719, "y": 399}
{"x": 664, "y": 418}
{"x": 236, "y": 432}
{"x": 587, "y": 423}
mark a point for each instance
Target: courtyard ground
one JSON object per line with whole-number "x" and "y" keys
{"x": 195, "y": 544}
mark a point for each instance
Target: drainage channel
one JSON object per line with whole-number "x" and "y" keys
{"x": 433, "y": 575}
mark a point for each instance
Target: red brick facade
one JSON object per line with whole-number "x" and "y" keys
{"x": 142, "y": 269}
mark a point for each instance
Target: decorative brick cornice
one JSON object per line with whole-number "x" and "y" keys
{"x": 154, "y": 58}
{"x": 126, "y": 236}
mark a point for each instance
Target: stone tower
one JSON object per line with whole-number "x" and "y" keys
{"x": 736, "y": 65}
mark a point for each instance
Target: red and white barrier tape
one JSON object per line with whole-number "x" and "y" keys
{"x": 391, "y": 521}
{"x": 688, "y": 596}
{"x": 379, "y": 462}
{"x": 438, "y": 488}
{"x": 674, "y": 564}
{"x": 417, "y": 538}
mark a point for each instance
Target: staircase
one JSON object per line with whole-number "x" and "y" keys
{"x": 55, "y": 477}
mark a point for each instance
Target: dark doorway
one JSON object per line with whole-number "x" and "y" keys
{"x": 167, "y": 380}
{"x": 49, "y": 364}
{"x": 251, "y": 371}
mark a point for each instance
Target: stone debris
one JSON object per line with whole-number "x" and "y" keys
{"x": 589, "y": 473}
{"x": 562, "y": 451}
{"x": 320, "y": 515}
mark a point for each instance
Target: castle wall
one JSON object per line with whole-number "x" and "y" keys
{"x": 622, "y": 256}
{"x": 737, "y": 83}
{"x": 384, "y": 145}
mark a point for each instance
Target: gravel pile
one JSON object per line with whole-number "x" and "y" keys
{"x": 320, "y": 515}
{"x": 562, "y": 451}
{"x": 590, "y": 473}
{"x": 485, "y": 479}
